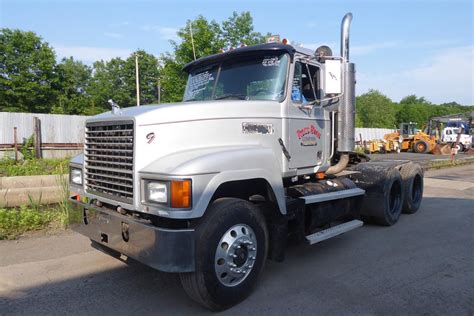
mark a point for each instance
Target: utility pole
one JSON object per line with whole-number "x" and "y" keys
{"x": 192, "y": 39}
{"x": 137, "y": 80}
{"x": 159, "y": 90}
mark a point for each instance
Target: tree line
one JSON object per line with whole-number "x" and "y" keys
{"x": 373, "y": 109}
{"x": 32, "y": 80}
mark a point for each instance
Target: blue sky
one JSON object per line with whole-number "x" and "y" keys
{"x": 399, "y": 47}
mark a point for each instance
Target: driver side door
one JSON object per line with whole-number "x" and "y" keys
{"x": 305, "y": 126}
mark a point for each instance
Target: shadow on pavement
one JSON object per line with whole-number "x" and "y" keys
{"x": 422, "y": 265}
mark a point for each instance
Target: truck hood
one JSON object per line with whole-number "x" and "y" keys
{"x": 193, "y": 111}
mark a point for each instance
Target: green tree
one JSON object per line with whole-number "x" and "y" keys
{"x": 207, "y": 41}
{"x": 413, "y": 99}
{"x": 173, "y": 79}
{"x": 209, "y": 38}
{"x": 109, "y": 82}
{"x": 148, "y": 77}
{"x": 206, "y": 36}
{"x": 375, "y": 110}
{"x": 115, "y": 79}
{"x": 74, "y": 79}
{"x": 239, "y": 29}
{"x": 27, "y": 72}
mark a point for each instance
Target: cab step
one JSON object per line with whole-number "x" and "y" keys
{"x": 336, "y": 195}
{"x": 333, "y": 231}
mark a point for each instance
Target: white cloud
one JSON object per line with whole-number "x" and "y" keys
{"x": 444, "y": 77}
{"x": 437, "y": 43}
{"x": 124, "y": 23}
{"x": 356, "y": 50}
{"x": 90, "y": 53}
{"x": 370, "y": 48}
{"x": 167, "y": 33}
{"x": 113, "y": 35}
{"x": 314, "y": 46}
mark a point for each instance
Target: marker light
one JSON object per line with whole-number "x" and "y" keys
{"x": 181, "y": 194}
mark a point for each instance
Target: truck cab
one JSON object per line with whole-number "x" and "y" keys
{"x": 260, "y": 150}
{"x": 450, "y": 136}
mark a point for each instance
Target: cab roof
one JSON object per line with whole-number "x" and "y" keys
{"x": 247, "y": 50}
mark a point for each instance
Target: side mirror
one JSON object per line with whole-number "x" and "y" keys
{"x": 333, "y": 77}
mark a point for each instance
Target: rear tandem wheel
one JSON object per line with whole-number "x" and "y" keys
{"x": 412, "y": 178}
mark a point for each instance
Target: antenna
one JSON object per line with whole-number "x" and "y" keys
{"x": 192, "y": 39}
{"x": 137, "y": 80}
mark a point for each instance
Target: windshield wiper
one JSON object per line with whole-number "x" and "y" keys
{"x": 230, "y": 95}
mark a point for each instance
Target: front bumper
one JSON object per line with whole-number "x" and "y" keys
{"x": 168, "y": 250}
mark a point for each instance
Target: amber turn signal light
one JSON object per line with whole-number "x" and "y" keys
{"x": 181, "y": 194}
{"x": 320, "y": 175}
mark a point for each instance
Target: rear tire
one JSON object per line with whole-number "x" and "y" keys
{"x": 420, "y": 147}
{"x": 231, "y": 233}
{"x": 412, "y": 178}
{"x": 383, "y": 200}
{"x": 390, "y": 206}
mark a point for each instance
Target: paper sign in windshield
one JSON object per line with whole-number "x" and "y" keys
{"x": 270, "y": 61}
{"x": 199, "y": 82}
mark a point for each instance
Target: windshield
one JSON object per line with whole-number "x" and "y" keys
{"x": 247, "y": 78}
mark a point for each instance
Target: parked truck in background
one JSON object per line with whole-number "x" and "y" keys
{"x": 260, "y": 150}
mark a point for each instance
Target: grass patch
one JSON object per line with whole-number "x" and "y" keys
{"x": 10, "y": 168}
{"x": 440, "y": 164}
{"x": 16, "y": 221}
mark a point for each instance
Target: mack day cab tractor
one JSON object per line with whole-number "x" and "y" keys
{"x": 260, "y": 150}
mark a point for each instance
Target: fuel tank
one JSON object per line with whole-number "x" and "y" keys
{"x": 319, "y": 215}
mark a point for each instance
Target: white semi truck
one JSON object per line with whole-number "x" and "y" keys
{"x": 261, "y": 150}
{"x": 453, "y": 136}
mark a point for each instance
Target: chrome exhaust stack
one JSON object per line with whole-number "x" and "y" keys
{"x": 346, "y": 115}
{"x": 346, "y": 108}
{"x": 345, "y": 28}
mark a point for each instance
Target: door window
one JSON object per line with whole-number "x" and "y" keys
{"x": 305, "y": 83}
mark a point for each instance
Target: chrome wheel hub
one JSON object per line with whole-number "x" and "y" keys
{"x": 235, "y": 255}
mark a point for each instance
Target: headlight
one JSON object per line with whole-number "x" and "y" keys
{"x": 174, "y": 193}
{"x": 76, "y": 176}
{"x": 157, "y": 192}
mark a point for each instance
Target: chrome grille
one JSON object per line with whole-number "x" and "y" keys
{"x": 109, "y": 160}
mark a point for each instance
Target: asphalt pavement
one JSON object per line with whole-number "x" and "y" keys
{"x": 422, "y": 265}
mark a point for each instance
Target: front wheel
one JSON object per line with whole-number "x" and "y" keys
{"x": 459, "y": 147}
{"x": 420, "y": 147}
{"x": 231, "y": 249}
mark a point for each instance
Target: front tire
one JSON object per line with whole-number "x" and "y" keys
{"x": 231, "y": 250}
{"x": 459, "y": 147}
{"x": 420, "y": 147}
